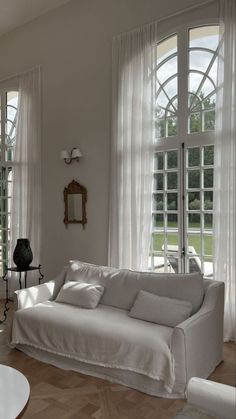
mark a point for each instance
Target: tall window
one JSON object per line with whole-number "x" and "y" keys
{"x": 8, "y": 115}
{"x": 182, "y": 211}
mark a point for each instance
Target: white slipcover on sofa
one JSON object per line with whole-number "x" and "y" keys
{"x": 107, "y": 342}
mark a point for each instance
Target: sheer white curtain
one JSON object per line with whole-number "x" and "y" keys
{"x": 26, "y": 201}
{"x": 132, "y": 149}
{"x": 225, "y": 167}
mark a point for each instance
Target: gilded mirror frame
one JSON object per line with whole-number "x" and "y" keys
{"x": 74, "y": 188}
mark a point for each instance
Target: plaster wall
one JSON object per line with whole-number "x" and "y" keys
{"x": 73, "y": 46}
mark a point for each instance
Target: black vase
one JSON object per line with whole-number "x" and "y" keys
{"x": 22, "y": 255}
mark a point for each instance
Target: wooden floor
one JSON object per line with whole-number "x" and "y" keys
{"x": 59, "y": 394}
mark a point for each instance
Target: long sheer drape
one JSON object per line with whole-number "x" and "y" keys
{"x": 132, "y": 149}
{"x": 225, "y": 167}
{"x": 26, "y": 201}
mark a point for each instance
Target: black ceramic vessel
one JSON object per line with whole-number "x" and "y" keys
{"x": 22, "y": 255}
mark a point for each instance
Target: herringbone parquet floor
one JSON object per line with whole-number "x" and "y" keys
{"x": 59, "y": 394}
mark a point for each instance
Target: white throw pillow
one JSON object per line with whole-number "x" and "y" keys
{"x": 80, "y": 294}
{"x": 160, "y": 310}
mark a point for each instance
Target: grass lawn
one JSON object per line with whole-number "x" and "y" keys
{"x": 194, "y": 239}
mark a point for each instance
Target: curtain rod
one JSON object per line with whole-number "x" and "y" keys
{"x": 14, "y": 76}
{"x": 162, "y": 19}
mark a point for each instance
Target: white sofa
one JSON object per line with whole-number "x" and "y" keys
{"x": 106, "y": 342}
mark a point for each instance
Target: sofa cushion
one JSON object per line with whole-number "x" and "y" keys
{"x": 160, "y": 310}
{"x": 123, "y": 285}
{"x": 80, "y": 294}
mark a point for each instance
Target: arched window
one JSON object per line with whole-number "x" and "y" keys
{"x": 8, "y": 114}
{"x": 184, "y": 114}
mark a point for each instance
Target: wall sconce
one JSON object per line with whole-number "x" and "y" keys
{"x": 75, "y": 154}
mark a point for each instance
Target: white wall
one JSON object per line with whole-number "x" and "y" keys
{"x": 73, "y": 46}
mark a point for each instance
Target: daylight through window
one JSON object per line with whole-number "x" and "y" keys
{"x": 8, "y": 113}
{"x": 184, "y": 114}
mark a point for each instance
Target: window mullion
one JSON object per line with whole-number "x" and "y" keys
{"x": 4, "y": 210}
{"x": 182, "y": 131}
{"x": 183, "y": 85}
{"x": 3, "y": 126}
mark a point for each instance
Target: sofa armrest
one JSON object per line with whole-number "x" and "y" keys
{"x": 215, "y": 398}
{"x": 28, "y": 297}
{"x": 197, "y": 343}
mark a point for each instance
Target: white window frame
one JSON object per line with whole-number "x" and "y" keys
{"x": 183, "y": 137}
{"x": 5, "y": 87}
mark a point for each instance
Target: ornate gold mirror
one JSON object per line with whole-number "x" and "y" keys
{"x": 75, "y": 197}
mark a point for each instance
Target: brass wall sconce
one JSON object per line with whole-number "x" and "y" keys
{"x": 75, "y": 155}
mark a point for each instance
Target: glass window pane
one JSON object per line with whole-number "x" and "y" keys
{"x": 194, "y": 81}
{"x": 193, "y": 264}
{"x": 208, "y": 155}
{"x": 167, "y": 69}
{"x": 194, "y": 179}
{"x": 158, "y": 161}
{"x": 158, "y": 181}
{"x": 166, "y": 88}
{"x": 208, "y": 267}
{"x": 172, "y": 159}
{"x": 172, "y": 180}
{"x": 209, "y": 120}
{"x": 204, "y": 36}
{"x": 171, "y": 126}
{"x": 172, "y": 242}
{"x": 213, "y": 72}
{"x": 194, "y": 221}
{"x": 207, "y": 242}
{"x": 172, "y": 221}
{"x": 166, "y": 48}
{"x": 170, "y": 87}
{"x": 173, "y": 263}
{"x": 195, "y": 122}
{"x": 199, "y": 60}
{"x": 160, "y": 127}
{"x": 157, "y": 202}
{"x": 209, "y": 102}
{"x": 194, "y": 102}
{"x": 163, "y": 100}
{"x": 10, "y": 125}
{"x": 208, "y": 178}
{"x": 206, "y": 89}
{"x": 158, "y": 221}
{"x": 172, "y": 201}
{"x": 203, "y": 43}
{"x": 194, "y": 203}
{"x": 194, "y": 243}
{"x": 172, "y": 247}
{"x": 3, "y": 204}
{"x": 194, "y": 156}
{"x": 208, "y": 200}
{"x": 157, "y": 241}
{"x": 208, "y": 221}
